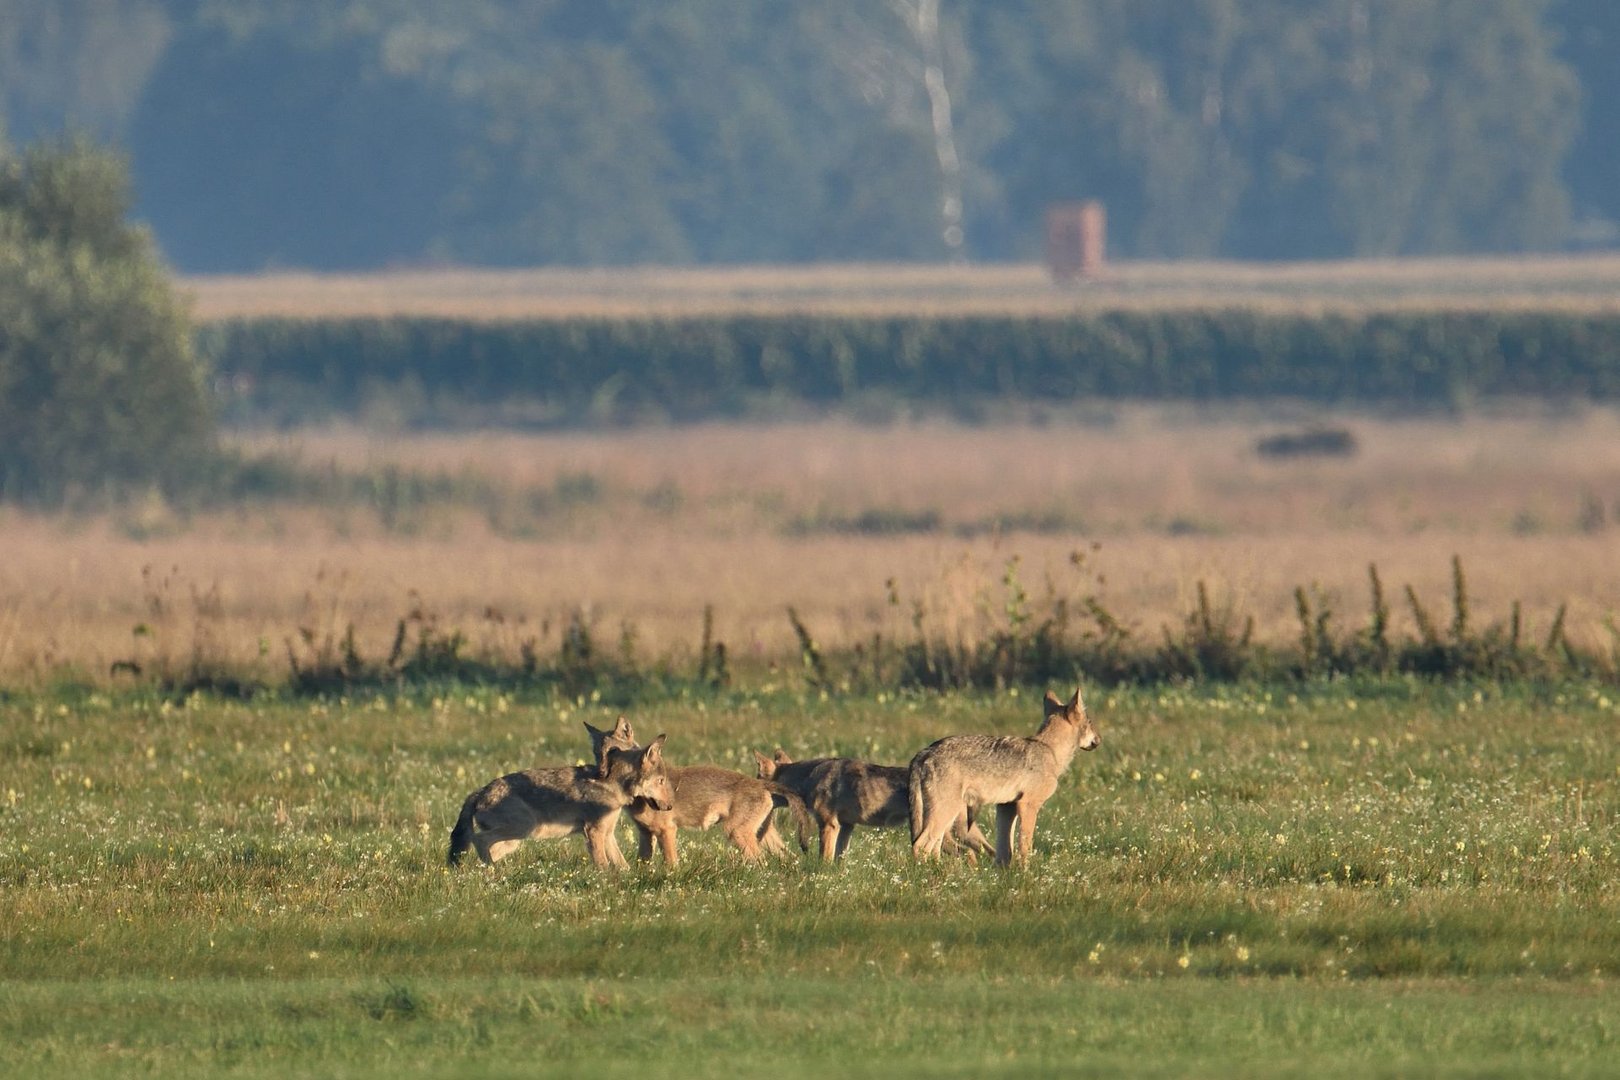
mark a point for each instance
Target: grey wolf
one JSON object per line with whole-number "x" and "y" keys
{"x": 1015, "y": 774}
{"x": 705, "y": 795}
{"x": 841, "y": 793}
{"x": 538, "y": 804}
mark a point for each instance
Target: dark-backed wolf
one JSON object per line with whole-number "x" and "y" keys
{"x": 841, "y": 793}
{"x": 537, "y": 804}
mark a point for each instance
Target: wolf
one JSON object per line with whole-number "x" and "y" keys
{"x": 841, "y": 793}
{"x": 705, "y": 795}
{"x": 542, "y": 803}
{"x": 622, "y": 737}
{"x": 1016, "y": 774}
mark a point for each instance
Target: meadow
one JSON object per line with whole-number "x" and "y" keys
{"x": 1340, "y": 879}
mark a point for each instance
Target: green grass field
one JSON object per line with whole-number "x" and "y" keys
{"x": 1335, "y": 880}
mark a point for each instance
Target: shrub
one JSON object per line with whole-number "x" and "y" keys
{"x": 100, "y": 389}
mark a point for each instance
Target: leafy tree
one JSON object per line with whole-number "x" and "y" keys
{"x": 355, "y": 133}
{"x": 1589, "y": 41}
{"x": 99, "y": 388}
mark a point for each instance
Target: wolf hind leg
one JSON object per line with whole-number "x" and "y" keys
{"x": 937, "y": 817}
{"x": 493, "y": 851}
{"x": 1006, "y": 814}
{"x": 772, "y": 841}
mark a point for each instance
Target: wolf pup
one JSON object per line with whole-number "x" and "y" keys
{"x": 842, "y": 793}
{"x": 705, "y": 795}
{"x": 1015, "y": 774}
{"x": 538, "y": 804}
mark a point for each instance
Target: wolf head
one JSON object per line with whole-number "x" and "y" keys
{"x": 641, "y": 773}
{"x": 769, "y": 765}
{"x": 622, "y": 737}
{"x": 1073, "y": 714}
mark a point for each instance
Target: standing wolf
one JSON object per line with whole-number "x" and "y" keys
{"x": 842, "y": 793}
{"x": 707, "y": 795}
{"x": 541, "y": 803}
{"x": 1015, "y": 774}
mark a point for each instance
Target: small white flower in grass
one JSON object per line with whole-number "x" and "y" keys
{"x": 1242, "y": 953}
{"x": 1195, "y": 774}
{"x": 1183, "y": 960}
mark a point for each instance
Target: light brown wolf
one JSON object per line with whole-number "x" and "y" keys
{"x": 841, "y": 793}
{"x": 1014, "y": 774}
{"x": 708, "y": 795}
{"x": 538, "y": 804}
{"x": 705, "y": 795}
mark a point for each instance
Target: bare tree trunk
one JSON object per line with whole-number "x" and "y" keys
{"x": 923, "y": 20}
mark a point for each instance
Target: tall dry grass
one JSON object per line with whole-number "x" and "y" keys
{"x": 750, "y": 520}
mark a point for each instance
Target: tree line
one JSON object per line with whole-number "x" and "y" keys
{"x": 365, "y": 133}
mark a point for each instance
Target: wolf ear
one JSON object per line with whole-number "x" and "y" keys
{"x": 1051, "y": 706}
{"x": 1076, "y": 707}
{"x": 623, "y": 730}
{"x": 655, "y": 751}
{"x": 782, "y": 758}
{"x": 767, "y": 766}
{"x": 598, "y": 740}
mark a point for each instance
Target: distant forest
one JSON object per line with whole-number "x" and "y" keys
{"x": 352, "y": 134}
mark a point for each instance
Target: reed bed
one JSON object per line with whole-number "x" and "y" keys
{"x": 638, "y": 535}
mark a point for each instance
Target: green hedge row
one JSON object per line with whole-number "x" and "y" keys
{"x": 580, "y": 370}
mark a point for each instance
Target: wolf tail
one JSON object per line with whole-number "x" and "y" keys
{"x": 461, "y": 835}
{"x": 914, "y": 790}
{"x": 782, "y": 796}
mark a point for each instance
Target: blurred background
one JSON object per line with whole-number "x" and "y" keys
{"x": 358, "y": 134}
{"x": 366, "y": 338}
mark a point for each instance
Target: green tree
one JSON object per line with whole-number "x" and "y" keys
{"x": 1589, "y": 39}
{"x": 99, "y": 388}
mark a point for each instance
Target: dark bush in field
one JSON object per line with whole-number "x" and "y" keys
{"x": 1312, "y": 442}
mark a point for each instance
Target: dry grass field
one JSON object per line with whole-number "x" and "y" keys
{"x": 1586, "y": 283}
{"x": 659, "y": 524}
